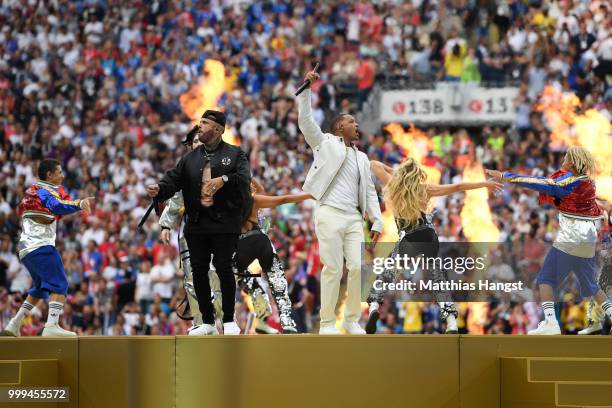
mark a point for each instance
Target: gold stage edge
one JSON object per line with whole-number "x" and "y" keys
{"x": 421, "y": 371}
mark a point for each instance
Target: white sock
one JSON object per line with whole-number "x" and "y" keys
{"x": 549, "y": 311}
{"x": 374, "y": 306}
{"x": 607, "y": 308}
{"x": 25, "y": 309}
{"x": 55, "y": 310}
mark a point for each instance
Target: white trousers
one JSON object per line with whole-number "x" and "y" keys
{"x": 340, "y": 236}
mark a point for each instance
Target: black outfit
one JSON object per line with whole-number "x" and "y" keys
{"x": 420, "y": 239}
{"x": 414, "y": 241}
{"x": 255, "y": 244}
{"x": 212, "y": 230}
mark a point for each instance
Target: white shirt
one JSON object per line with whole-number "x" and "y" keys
{"x": 143, "y": 287}
{"x": 343, "y": 193}
{"x": 94, "y": 31}
{"x": 109, "y": 273}
{"x": 162, "y": 271}
{"x": 131, "y": 320}
{"x": 577, "y": 237}
{"x": 35, "y": 235}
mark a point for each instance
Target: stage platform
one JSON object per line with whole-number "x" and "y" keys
{"x": 315, "y": 371}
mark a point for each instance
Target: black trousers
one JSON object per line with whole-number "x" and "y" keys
{"x": 251, "y": 248}
{"x": 259, "y": 246}
{"x": 222, "y": 248}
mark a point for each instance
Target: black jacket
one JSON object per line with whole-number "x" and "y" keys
{"x": 230, "y": 202}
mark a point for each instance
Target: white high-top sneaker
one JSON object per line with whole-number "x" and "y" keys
{"x": 451, "y": 325}
{"x": 231, "y": 329}
{"x": 592, "y": 328}
{"x": 290, "y": 330}
{"x": 546, "y": 328}
{"x": 288, "y": 325}
{"x": 331, "y": 329}
{"x": 203, "y": 330}
{"x": 264, "y": 328}
{"x": 54, "y": 330}
{"x": 353, "y": 328}
{"x": 11, "y": 330}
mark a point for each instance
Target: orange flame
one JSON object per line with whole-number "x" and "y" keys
{"x": 414, "y": 143}
{"x": 589, "y": 129}
{"x": 206, "y": 94}
{"x": 476, "y": 217}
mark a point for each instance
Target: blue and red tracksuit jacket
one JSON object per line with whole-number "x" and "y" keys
{"x": 574, "y": 196}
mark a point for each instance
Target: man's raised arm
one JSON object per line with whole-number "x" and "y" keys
{"x": 312, "y": 132}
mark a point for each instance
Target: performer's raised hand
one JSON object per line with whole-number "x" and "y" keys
{"x": 153, "y": 190}
{"x": 312, "y": 77}
{"x": 494, "y": 174}
{"x": 86, "y": 204}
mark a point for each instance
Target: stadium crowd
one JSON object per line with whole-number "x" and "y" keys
{"x": 96, "y": 84}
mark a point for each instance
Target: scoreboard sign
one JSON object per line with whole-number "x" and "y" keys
{"x": 450, "y": 104}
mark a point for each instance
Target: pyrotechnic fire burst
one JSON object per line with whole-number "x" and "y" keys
{"x": 416, "y": 144}
{"x": 476, "y": 218}
{"x": 589, "y": 129}
{"x": 206, "y": 94}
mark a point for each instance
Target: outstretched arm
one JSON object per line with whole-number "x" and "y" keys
{"x": 556, "y": 187}
{"x": 57, "y": 205}
{"x": 381, "y": 171}
{"x": 312, "y": 132}
{"x": 264, "y": 201}
{"x": 436, "y": 190}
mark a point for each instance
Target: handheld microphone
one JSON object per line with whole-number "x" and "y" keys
{"x": 306, "y": 83}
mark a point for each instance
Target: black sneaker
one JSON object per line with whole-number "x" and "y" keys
{"x": 372, "y": 320}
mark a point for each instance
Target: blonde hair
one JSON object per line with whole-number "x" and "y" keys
{"x": 407, "y": 193}
{"x": 582, "y": 160}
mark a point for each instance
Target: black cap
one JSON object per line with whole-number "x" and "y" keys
{"x": 189, "y": 138}
{"x": 215, "y": 116}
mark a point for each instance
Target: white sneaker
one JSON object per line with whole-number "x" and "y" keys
{"x": 546, "y": 328}
{"x": 592, "y": 328}
{"x": 54, "y": 330}
{"x": 192, "y": 328}
{"x": 331, "y": 329}
{"x": 203, "y": 330}
{"x": 290, "y": 330}
{"x": 231, "y": 329}
{"x": 451, "y": 325}
{"x": 353, "y": 328}
{"x": 10, "y": 330}
{"x": 264, "y": 328}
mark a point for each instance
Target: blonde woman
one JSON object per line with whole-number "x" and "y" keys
{"x": 572, "y": 190}
{"x": 407, "y": 190}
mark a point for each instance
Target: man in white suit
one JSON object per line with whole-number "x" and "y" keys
{"x": 339, "y": 179}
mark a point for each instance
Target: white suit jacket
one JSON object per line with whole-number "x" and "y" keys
{"x": 329, "y": 154}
